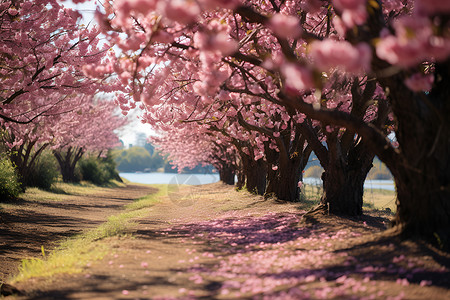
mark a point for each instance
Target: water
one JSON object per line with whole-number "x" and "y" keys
{"x": 369, "y": 184}
{"x": 197, "y": 179}
{"x": 170, "y": 178}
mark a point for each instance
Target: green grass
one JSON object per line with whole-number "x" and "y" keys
{"x": 72, "y": 255}
{"x": 60, "y": 190}
{"x": 378, "y": 199}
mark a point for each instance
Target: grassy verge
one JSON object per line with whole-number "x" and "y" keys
{"x": 73, "y": 254}
{"x": 380, "y": 199}
{"x": 60, "y": 190}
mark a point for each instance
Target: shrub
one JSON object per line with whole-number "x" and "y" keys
{"x": 9, "y": 182}
{"x": 99, "y": 171}
{"x": 110, "y": 165}
{"x": 44, "y": 173}
{"x": 92, "y": 170}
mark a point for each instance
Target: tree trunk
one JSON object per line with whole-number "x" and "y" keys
{"x": 226, "y": 175}
{"x": 25, "y": 158}
{"x": 343, "y": 181}
{"x": 421, "y": 168}
{"x": 67, "y": 163}
{"x": 283, "y": 182}
{"x": 256, "y": 173}
{"x": 423, "y": 201}
{"x": 240, "y": 179}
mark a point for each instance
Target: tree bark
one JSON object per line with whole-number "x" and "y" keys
{"x": 25, "y": 158}
{"x": 343, "y": 182}
{"x": 422, "y": 174}
{"x": 283, "y": 183}
{"x": 256, "y": 174}
{"x": 240, "y": 179}
{"x": 226, "y": 175}
{"x": 67, "y": 163}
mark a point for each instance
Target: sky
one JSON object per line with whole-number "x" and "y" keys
{"x": 128, "y": 134}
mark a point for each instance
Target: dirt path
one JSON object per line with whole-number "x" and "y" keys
{"x": 25, "y": 227}
{"x": 211, "y": 242}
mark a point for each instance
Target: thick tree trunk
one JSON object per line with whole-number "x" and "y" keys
{"x": 25, "y": 158}
{"x": 256, "y": 174}
{"x": 421, "y": 169}
{"x": 67, "y": 163}
{"x": 343, "y": 181}
{"x": 226, "y": 175}
{"x": 240, "y": 179}
{"x": 240, "y": 174}
{"x": 68, "y": 172}
{"x": 283, "y": 183}
{"x": 423, "y": 206}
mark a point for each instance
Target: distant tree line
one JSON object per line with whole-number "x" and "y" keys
{"x": 147, "y": 159}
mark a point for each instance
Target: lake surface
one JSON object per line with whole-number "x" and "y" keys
{"x": 197, "y": 179}
{"x": 170, "y": 178}
{"x": 369, "y": 184}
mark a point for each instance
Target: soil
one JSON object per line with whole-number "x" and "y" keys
{"x": 182, "y": 247}
{"x": 27, "y": 226}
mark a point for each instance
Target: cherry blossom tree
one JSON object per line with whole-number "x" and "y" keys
{"x": 194, "y": 144}
{"x": 288, "y": 49}
{"x": 89, "y": 129}
{"x": 44, "y": 93}
{"x": 88, "y": 126}
{"x": 43, "y": 51}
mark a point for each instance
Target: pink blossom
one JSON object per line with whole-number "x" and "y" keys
{"x": 139, "y": 6}
{"x": 354, "y": 17}
{"x": 395, "y": 52}
{"x": 297, "y": 77}
{"x": 425, "y": 282}
{"x": 329, "y": 54}
{"x": 285, "y": 26}
{"x": 13, "y": 11}
{"x": 353, "y": 12}
{"x": 390, "y": 5}
{"x": 182, "y": 11}
{"x": 162, "y": 36}
{"x": 419, "y": 82}
{"x": 414, "y": 42}
{"x": 431, "y": 7}
{"x": 300, "y": 184}
{"x": 349, "y": 4}
{"x": 212, "y": 4}
{"x": 215, "y": 42}
{"x": 339, "y": 25}
{"x": 312, "y": 6}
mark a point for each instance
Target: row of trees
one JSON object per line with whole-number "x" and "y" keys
{"x": 147, "y": 159}
{"x": 46, "y": 101}
{"x": 254, "y": 86}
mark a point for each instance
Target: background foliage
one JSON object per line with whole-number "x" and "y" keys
{"x": 9, "y": 182}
